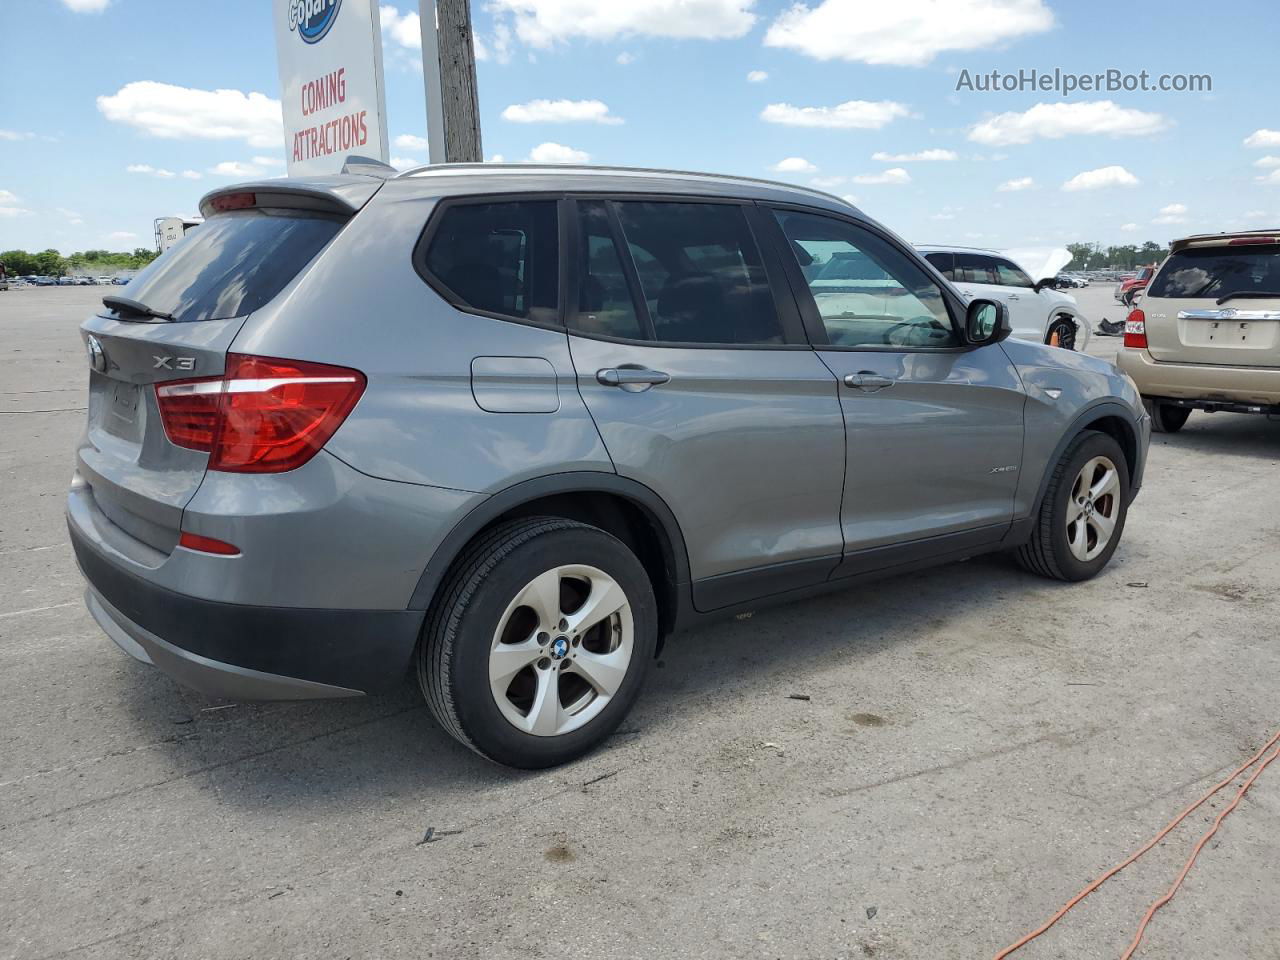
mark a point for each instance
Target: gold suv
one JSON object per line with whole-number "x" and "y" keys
{"x": 1206, "y": 333}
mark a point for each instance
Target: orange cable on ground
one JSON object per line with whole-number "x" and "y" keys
{"x": 1151, "y": 843}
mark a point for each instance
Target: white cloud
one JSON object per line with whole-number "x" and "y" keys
{"x": 892, "y": 175}
{"x": 1016, "y": 184}
{"x": 183, "y": 113}
{"x": 827, "y": 182}
{"x": 150, "y": 171}
{"x": 8, "y": 198}
{"x": 919, "y": 157}
{"x": 943, "y": 216}
{"x": 1172, "y": 213}
{"x": 1129, "y": 227}
{"x": 625, "y": 58}
{"x": 86, "y": 6}
{"x": 1113, "y": 176}
{"x": 237, "y": 168}
{"x": 543, "y": 23}
{"x": 757, "y": 76}
{"x": 496, "y": 158}
{"x": 16, "y": 135}
{"x": 794, "y": 165}
{"x": 1257, "y": 215}
{"x": 191, "y": 174}
{"x": 409, "y": 141}
{"x": 852, "y": 114}
{"x": 404, "y": 163}
{"x": 1270, "y": 178}
{"x": 905, "y": 33}
{"x": 1053, "y": 121}
{"x": 269, "y": 161}
{"x": 121, "y": 236}
{"x": 557, "y": 153}
{"x": 560, "y": 111}
{"x": 404, "y": 29}
{"x": 1263, "y": 138}
{"x": 1267, "y": 161}
{"x": 9, "y": 205}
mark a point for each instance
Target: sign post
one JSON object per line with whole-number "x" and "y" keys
{"x": 449, "y": 72}
{"x": 330, "y": 56}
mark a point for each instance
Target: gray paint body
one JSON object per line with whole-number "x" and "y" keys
{"x": 764, "y": 457}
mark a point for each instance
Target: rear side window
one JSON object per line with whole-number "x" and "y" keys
{"x": 943, "y": 263}
{"x": 604, "y": 303}
{"x": 700, "y": 271}
{"x": 1219, "y": 272}
{"x": 500, "y": 259}
{"x": 233, "y": 263}
{"x": 973, "y": 268}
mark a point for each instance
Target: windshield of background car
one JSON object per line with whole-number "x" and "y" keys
{"x": 233, "y": 263}
{"x": 1215, "y": 271}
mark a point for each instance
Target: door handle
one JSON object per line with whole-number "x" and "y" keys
{"x": 631, "y": 378}
{"x": 1011, "y": 296}
{"x": 867, "y": 381}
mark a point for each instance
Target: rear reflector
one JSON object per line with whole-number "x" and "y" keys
{"x": 193, "y": 541}
{"x": 263, "y": 415}
{"x": 1135, "y": 329}
{"x": 233, "y": 201}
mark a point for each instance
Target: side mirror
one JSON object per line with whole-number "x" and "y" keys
{"x": 986, "y": 321}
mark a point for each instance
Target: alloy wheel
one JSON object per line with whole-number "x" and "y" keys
{"x": 561, "y": 650}
{"x": 1093, "y": 508}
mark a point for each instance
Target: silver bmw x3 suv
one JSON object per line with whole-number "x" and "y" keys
{"x": 508, "y": 427}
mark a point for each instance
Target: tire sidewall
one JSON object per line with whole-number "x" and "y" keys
{"x": 471, "y": 635}
{"x": 1092, "y": 444}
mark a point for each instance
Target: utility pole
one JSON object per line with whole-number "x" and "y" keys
{"x": 449, "y": 72}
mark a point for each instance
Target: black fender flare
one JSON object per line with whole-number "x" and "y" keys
{"x": 578, "y": 481}
{"x": 1095, "y": 411}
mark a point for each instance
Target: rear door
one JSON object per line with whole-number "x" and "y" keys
{"x": 205, "y": 286}
{"x": 1216, "y": 303}
{"x": 934, "y": 428}
{"x": 695, "y": 369}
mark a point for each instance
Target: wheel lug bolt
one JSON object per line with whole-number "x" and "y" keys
{"x": 544, "y": 663}
{"x": 564, "y": 624}
{"x": 544, "y": 638}
{"x": 577, "y": 641}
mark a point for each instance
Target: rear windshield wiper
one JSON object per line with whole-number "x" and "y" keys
{"x": 1247, "y": 293}
{"x": 129, "y": 305}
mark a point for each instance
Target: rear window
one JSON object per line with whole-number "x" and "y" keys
{"x": 232, "y": 264}
{"x": 498, "y": 258}
{"x": 1218, "y": 272}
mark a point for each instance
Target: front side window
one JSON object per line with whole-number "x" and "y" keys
{"x": 700, "y": 271}
{"x": 1012, "y": 275}
{"x": 868, "y": 293}
{"x": 499, "y": 258}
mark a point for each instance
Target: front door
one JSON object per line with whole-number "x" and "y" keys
{"x": 934, "y": 428}
{"x": 701, "y": 385}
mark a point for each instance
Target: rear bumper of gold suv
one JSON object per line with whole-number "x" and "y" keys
{"x": 1210, "y": 385}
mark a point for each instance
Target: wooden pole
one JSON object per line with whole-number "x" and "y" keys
{"x": 449, "y": 72}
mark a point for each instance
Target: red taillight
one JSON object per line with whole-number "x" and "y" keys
{"x": 193, "y": 541}
{"x": 1135, "y": 329}
{"x": 233, "y": 201}
{"x": 263, "y": 416}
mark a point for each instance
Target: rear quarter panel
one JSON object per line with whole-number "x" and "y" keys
{"x": 362, "y": 304}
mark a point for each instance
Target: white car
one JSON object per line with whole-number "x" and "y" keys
{"x": 1036, "y": 310}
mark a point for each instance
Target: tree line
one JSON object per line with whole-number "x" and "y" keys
{"x": 1094, "y": 256}
{"x": 51, "y": 263}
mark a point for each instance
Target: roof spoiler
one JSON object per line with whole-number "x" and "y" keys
{"x": 368, "y": 167}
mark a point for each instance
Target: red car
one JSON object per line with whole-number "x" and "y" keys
{"x": 1129, "y": 286}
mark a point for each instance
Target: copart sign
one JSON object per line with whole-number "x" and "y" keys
{"x": 330, "y": 54}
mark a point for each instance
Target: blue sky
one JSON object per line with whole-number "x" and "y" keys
{"x": 1142, "y": 165}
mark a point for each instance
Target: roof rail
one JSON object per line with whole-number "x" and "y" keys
{"x": 601, "y": 168}
{"x": 368, "y": 167}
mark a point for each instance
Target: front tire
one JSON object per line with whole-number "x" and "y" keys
{"x": 1062, "y": 333}
{"x": 1083, "y": 512}
{"x": 539, "y": 641}
{"x": 1165, "y": 417}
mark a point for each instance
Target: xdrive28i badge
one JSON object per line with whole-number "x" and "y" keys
{"x": 313, "y": 18}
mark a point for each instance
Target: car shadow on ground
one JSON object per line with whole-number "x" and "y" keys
{"x": 320, "y": 752}
{"x": 1225, "y": 434}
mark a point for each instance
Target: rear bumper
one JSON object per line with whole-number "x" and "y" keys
{"x": 246, "y": 652}
{"x": 1258, "y": 386}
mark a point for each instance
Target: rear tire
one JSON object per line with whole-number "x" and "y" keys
{"x": 1087, "y": 496}
{"x": 1165, "y": 417}
{"x": 538, "y": 642}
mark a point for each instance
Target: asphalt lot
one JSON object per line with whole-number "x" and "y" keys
{"x": 978, "y": 745}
